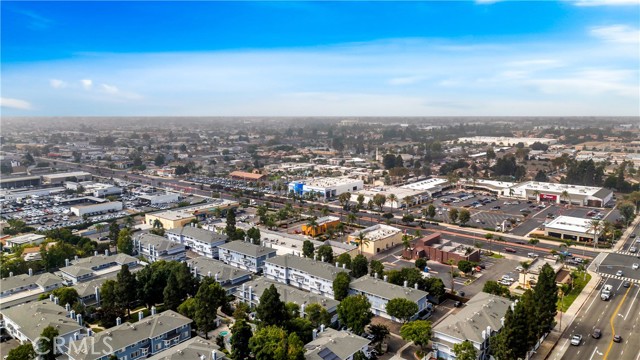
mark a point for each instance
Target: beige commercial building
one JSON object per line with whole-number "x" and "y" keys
{"x": 172, "y": 219}
{"x": 377, "y": 238}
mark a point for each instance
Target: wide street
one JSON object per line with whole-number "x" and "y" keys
{"x": 620, "y": 315}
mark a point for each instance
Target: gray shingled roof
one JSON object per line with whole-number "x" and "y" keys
{"x": 42, "y": 280}
{"x": 127, "y": 334}
{"x": 87, "y": 265}
{"x": 246, "y": 248}
{"x": 288, "y": 293}
{"x": 199, "y": 234}
{"x": 316, "y": 268}
{"x": 225, "y": 272}
{"x": 383, "y": 289}
{"x": 32, "y": 318}
{"x": 479, "y": 312}
{"x": 334, "y": 344}
{"x": 192, "y": 349}
{"x": 160, "y": 243}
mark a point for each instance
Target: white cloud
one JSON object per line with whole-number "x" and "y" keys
{"x": 14, "y": 104}
{"x": 57, "y": 84}
{"x": 109, "y": 89}
{"x": 606, "y": 2}
{"x": 405, "y": 80}
{"x": 617, "y": 34}
{"x": 87, "y": 84}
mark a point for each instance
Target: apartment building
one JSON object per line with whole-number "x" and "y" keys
{"x": 227, "y": 276}
{"x": 155, "y": 248}
{"x": 334, "y": 344}
{"x": 380, "y": 292}
{"x": 201, "y": 241}
{"x": 24, "y": 288}
{"x": 245, "y": 255}
{"x": 95, "y": 266}
{"x": 303, "y": 273}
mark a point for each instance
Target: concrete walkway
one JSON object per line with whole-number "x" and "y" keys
{"x": 548, "y": 349}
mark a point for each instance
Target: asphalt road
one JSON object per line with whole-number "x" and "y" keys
{"x": 613, "y": 263}
{"x": 620, "y": 316}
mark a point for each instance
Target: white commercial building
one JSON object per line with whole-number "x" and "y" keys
{"x": 303, "y": 273}
{"x": 417, "y": 196}
{"x": 245, "y": 255}
{"x": 503, "y": 140}
{"x": 326, "y": 188}
{"x": 573, "y": 228}
{"x": 430, "y": 186}
{"x": 26, "y": 239}
{"x": 574, "y": 194}
{"x": 60, "y": 178}
{"x": 156, "y": 199}
{"x": 493, "y": 186}
{"x": 100, "y": 208}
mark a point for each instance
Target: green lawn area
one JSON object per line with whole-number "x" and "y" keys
{"x": 578, "y": 284}
{"x": 497, "y": 256}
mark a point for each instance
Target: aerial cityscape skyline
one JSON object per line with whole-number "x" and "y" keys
{"x": 502, "y": 58}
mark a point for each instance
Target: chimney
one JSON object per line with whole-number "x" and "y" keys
{"x": 415, "y": 286}
{"x": 76, "y": 336}
{"x": 79, "y": 319}
{"x": 337, "y": 264}
{"x": 56, "y": 300}
{"x": 10, "y": 273}
{"x": 250, "y": 294}
{"x": 72, "y": 313}
{"x": 375, "y": 275}
{"x": 315, "y": 257}
{"x": 66, "y": 262}
{"x": 89, "y": 331}
{"x": 195, "y": 271}
{"x": 51, "y": 297}
{"x": 30, "y": 272}
{"x": 75, "y": 258}
{"x": 214, "y": 356}
{"x": 216, "y": 277}
{"x": 208, "y": 273}
{"x": 140, "y": 315}
{"x": 244, "y": 296}
{"x": 315, "y": 334}
{"x": 97, "y": 293}
{"x": 321, "y": 328}
{"x": 484, "y": 335}
{"x": 385, "y": 278}
{"x": 67, "y": 307}
{"x": 106, "y": 252}
{"x": 153, "y": 310}
{"x": 118, "y": 321}
{"x": 344, "y": 266}
{"x": 95, "y": 253}
{"x": 406, "y": 283}
{"x": 488, "y": 331}
{"x": 323, "y": 259}
{"x": 302, "y": 306}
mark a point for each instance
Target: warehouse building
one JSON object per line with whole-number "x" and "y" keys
{"x": 92, "y": 209}
{"x": 60, "y": 178}
{"x": 569, "y": 227}
{"x": 559, "y": 193}
{"x": 503, "y": 140}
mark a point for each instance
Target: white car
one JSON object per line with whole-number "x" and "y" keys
{"x": 635, "y": 266}
{"x": 619, "y": 273}
{"x": 576, "y": 340}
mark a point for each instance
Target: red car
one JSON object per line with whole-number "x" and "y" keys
{"x": 509, "y": 250}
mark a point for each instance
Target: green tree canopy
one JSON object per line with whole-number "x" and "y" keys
{"x": 359, "y": 266}
{"x": 341, "y": 286}
{"x": 22, "y": 352}
{"x": 317, "y": 314}
{"x": 401, "y": 308}
{"x": 47, "y": 344}
{"x": 125, "y": 243}
{"x": 241, "y": 332}
{"x": 465, "y": 351}
{"x": 308, "y": 249}
{"x": 355, "y": 313}
{"x": 271, "y": 310}
{"x": 273, "y": 343}
{"x": 418, "y": 331}
{"x": 209, "y": 298}
{"x": 325, "y": 253}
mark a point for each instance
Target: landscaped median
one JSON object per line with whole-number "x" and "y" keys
{"x": 579, "y": 282}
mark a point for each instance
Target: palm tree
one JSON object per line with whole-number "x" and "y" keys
{"x": 511, "y": 192}
{"x": 596, "y": 227}
{"x": 100, "y": 228}
{"x": 313, "y": 224}
{"x": 406, "y": 241}
{"x": 565, "y": 195}
{"x": 325, "y": 211}
{"x": 536, "y": 193}
{"x": 362, "y": 240}
{"x": 351, "y": 218}
{"x": 478, "y": 245}
{"x": 525, "y": 269}
{"x": 407, "y": 200}
{"x": 128, "y": 221}
{"x": 392, "y": 198}
{"x": 534, "y": 242}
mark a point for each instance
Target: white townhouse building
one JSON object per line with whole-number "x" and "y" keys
{"x": 92, "y": 267}
{"x": 245, "y": 255}
{"x": 380, "y": 292}
{"x": 303, "y": 273}
{"x": 15, "y": 290}
{"x": 201, "y": 241}
{"x": 155, "y": 248}
{"x": 481, "y": 318}
{"x": 227, "y": 276}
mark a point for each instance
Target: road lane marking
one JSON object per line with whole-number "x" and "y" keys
{"x": 630, "y": 306}
{"x": 613, "y": 317}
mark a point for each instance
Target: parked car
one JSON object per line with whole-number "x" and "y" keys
{"x": 619, "y": 273}
{"x": 532, "y": 255}
{"x": 510, "y": 250}
{"x": 597, "y": 333}
{"x": 626, "y": 284}
{"x": 633, "y": 249}
{"x": 635, "y": 266}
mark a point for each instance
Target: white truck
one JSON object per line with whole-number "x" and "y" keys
{"x": 605, "y": 294}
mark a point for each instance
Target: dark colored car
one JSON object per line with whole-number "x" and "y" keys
{"x": 626, "y": 284}
{"x": 457, "y": 304}
{"x": 617, "y": 338}
{"x": 4, "y": 338}
{"x": 597, "y": 333}
{"x": 509, "y": 250}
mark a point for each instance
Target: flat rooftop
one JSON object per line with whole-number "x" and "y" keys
{"x": 570, "y": 223}
{"x": 190, "y": 211}
{"x": 427, "y": 184}
{"x": 65, "y": 175}
{"x": 498, "y": 185}
{"x": 556, "y": 188}
{"x": 377, "y": 232}
{"x": 330, "y": 182}
{"x": 451, "y": 247}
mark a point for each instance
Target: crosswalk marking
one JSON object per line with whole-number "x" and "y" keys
{"x": 620, "y": 278}
{"x": 621, "y": 252}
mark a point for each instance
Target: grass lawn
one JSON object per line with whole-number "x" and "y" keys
{"x": 497, "y": 256}
{"x": 578, "y": 284}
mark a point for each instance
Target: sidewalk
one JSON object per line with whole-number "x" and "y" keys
{"x": 625, "y": 236}
{"x": 548, "y": 349}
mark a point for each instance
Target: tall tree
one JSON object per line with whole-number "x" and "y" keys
{"x": 355, "y": 313}
{"x": 465, "y": 351}
{"x": 545, "y": 296}
{"x": 272, "y": 343}
{"x": 308, "y": 249}
{"x": 376, "y": 267}
{"x": 325, "y": 253}
{"x": 341, "y": 286}
{"x": 209, "y": 298}
{"x": 241, "y": 331}
{"x": 125, "y": 244}
{"x": 110, "y": 305}
{"x": 47, "y": 343}
{"x": 359, "y": 266}
{"x": 22, "y": 352}
{"x": 464, "y": 216}
{"x": 171, "y": 293}
{"x": 401, "y": 308}
{"x": 418, "y": 331}
{"x": 271, "y": 310}
{"x": 230, "y": 229}
{"x": 453, "y": 215}
{"x": 344, "y": 259}
{"x": 126, "y": 288}
{"x": 254, "y": 235}
{"x": 318, "y": 315}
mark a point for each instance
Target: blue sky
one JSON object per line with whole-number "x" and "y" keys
{"x": 452, "y": 58}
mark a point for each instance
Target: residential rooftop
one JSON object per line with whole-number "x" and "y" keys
{"x": 313, "y": 267}
{"x": 210, "y": 267}
{"x": 287, "y": 293}
{"x": 247, "y": 248}
{"x": 332, "y": 344}
{"x": 32, "y": 318}
{"x": 386, "y": 290}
